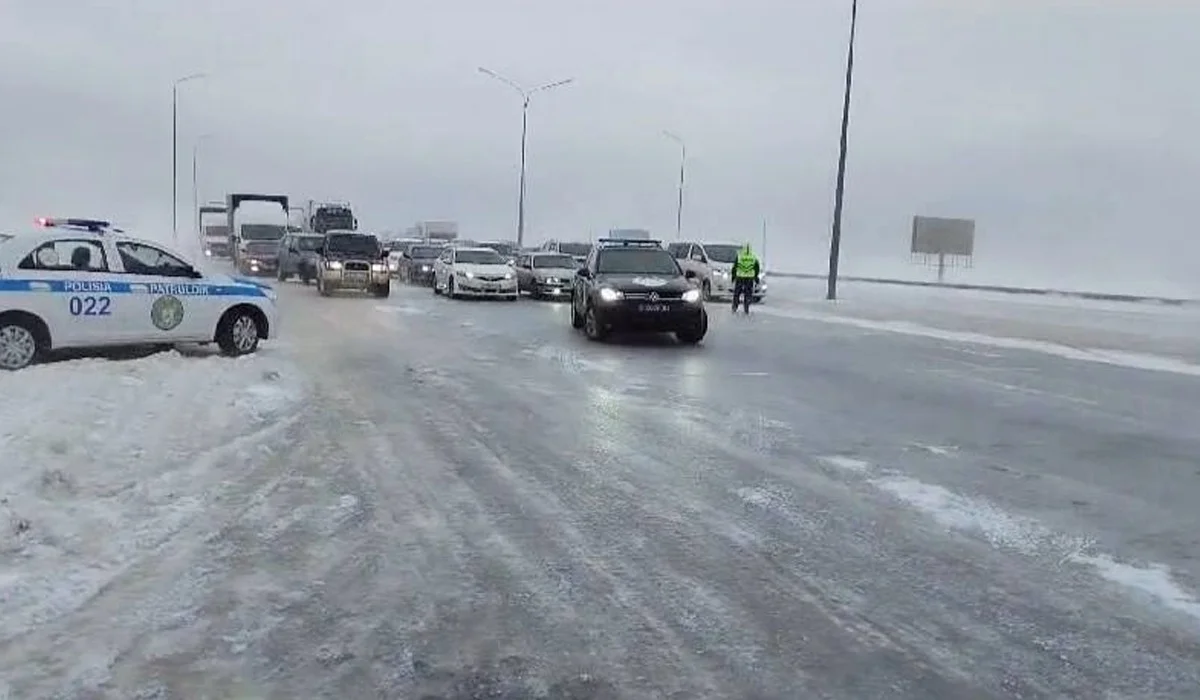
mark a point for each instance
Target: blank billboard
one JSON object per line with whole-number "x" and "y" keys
{"x": 932, "y": 235}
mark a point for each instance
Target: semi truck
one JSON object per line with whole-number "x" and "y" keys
{"x": 214, "y": 230}
{"x": 324, "y": 217}
{"x": 433, "y": 231}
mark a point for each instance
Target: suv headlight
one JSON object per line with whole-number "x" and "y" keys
{"x": 608, "y": 294}
{"x": 691, "y": 296}
{"x": 378, "y": 267}
{"x": 333, "y": 264}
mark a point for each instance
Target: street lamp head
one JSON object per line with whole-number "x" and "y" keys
{"x": 193, "y": 76}
{"x": 551, "y": 86}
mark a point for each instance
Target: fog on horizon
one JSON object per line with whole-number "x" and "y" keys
{"x": 1067, "y": 132}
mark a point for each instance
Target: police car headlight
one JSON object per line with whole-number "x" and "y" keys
{"x": 721, "y": 273}
{"x": 207, "y": 252}
{"x": 271, "y": 294}
{"x": 377, "y": 267}
{"x": 507, "y": 275}
{"x": 424, "y": 268}
{"x": 607, "y": 294}
{"x": 691, "y": 296}
{"x": 334, "y": 265}
{"x": 464, "y": 273}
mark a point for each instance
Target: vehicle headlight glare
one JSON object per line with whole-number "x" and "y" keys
{"x": 691, "y": 296}
{"x": 334, "y": 265}
{"x": 607, "y": 294}
{"x": 507, "y": 275}
{"x": 377, "y": 267}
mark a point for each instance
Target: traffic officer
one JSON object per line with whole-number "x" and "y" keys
{"x": 745, "y": 273}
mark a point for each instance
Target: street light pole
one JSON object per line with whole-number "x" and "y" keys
{"x": 682, "y": 169}
{"x": 175, "y": 151}
{"x": 835, "y": 239}
{"x": 195, "y": 184}
{"x": 525, "y": 97}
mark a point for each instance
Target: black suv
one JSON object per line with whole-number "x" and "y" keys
{"x": 636, "y": 285}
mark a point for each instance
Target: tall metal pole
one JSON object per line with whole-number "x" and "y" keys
{"x": 525, "y": 97}
{"x": 196, "y": 185}
{"x": 521, "y": 193}
{"x": 835, "y": 239}
{"x": 175, "y": 151}
{"x": 682, "y": 170}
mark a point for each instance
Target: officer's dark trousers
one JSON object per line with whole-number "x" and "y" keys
{"x": 743, "y": 287}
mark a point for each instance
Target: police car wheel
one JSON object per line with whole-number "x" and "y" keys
{"x": 238, "y": 333}
{"x": 18, "y": 345}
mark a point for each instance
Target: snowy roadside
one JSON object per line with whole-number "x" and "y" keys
{"x": 1144, "y": 336}
{"x": 104, "y": 461}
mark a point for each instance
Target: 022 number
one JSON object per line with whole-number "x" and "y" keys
{"x": 90, "y": 306}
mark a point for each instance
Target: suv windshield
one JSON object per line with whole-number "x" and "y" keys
{"x": 556, "y": 261}
{"x": 478, "y": 257}
{"x": 576, "y": 249}
{"x": 309, "y": 242}
{"x": 722, "y": 253}
{"x": 424, "y": 252}
{"x": 636, "y": 262}
{"x": 353, "y": 244}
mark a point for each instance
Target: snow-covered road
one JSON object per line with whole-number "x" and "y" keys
{"x": 420, "y": 498}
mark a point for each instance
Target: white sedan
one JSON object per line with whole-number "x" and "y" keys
{"x": 78, "y": 283}
{"x": 474, "y": 272}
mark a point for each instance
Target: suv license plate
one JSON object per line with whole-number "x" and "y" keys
{"x": 654, "y": 308}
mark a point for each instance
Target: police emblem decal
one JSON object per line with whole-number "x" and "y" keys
{"x": 167, "y": 312}
{"x": 653, "y": 296}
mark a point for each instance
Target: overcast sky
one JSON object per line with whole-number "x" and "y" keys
{"x": 1068, "y": 130}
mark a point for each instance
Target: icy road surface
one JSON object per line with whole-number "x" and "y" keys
{"x": 471, "y": 501}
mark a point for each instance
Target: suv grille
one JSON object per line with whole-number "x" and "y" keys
{"x": 665, "y": 296}
{"x": 489, "y": 278}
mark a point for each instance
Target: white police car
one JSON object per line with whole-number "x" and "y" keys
{"x": 78, "y": 283}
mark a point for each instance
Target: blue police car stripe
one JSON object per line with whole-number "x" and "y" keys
{"x": 182, "y": 289}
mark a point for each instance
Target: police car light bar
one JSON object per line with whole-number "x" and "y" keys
{"x": 93, "y": 225}
{"x": 628, "y": 243}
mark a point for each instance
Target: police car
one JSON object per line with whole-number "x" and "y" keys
{"x": 77, "y": 283}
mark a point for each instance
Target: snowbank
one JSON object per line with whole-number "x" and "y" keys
{"x": 105, "y": 460}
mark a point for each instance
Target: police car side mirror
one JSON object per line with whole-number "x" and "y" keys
{"x": 690, "y": 274}
{"x": 194, "y": 273}
{"x": 584, "y": 272}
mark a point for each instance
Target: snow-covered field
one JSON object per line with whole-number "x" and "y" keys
{"x": 105, "y": 460}
{"x": 1146, "y": 335}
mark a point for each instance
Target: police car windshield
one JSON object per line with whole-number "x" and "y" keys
{"x": 578, "y": 249}
{"x": 555, "y": 261}
{"x": 424, "y": 252}
{"x": 309, "y": 242}
{"x": 353, "y": 243}
{"x": 722, "y": 253}
{"x": 478, "y": 257}
{"x": 636, "y": 261}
